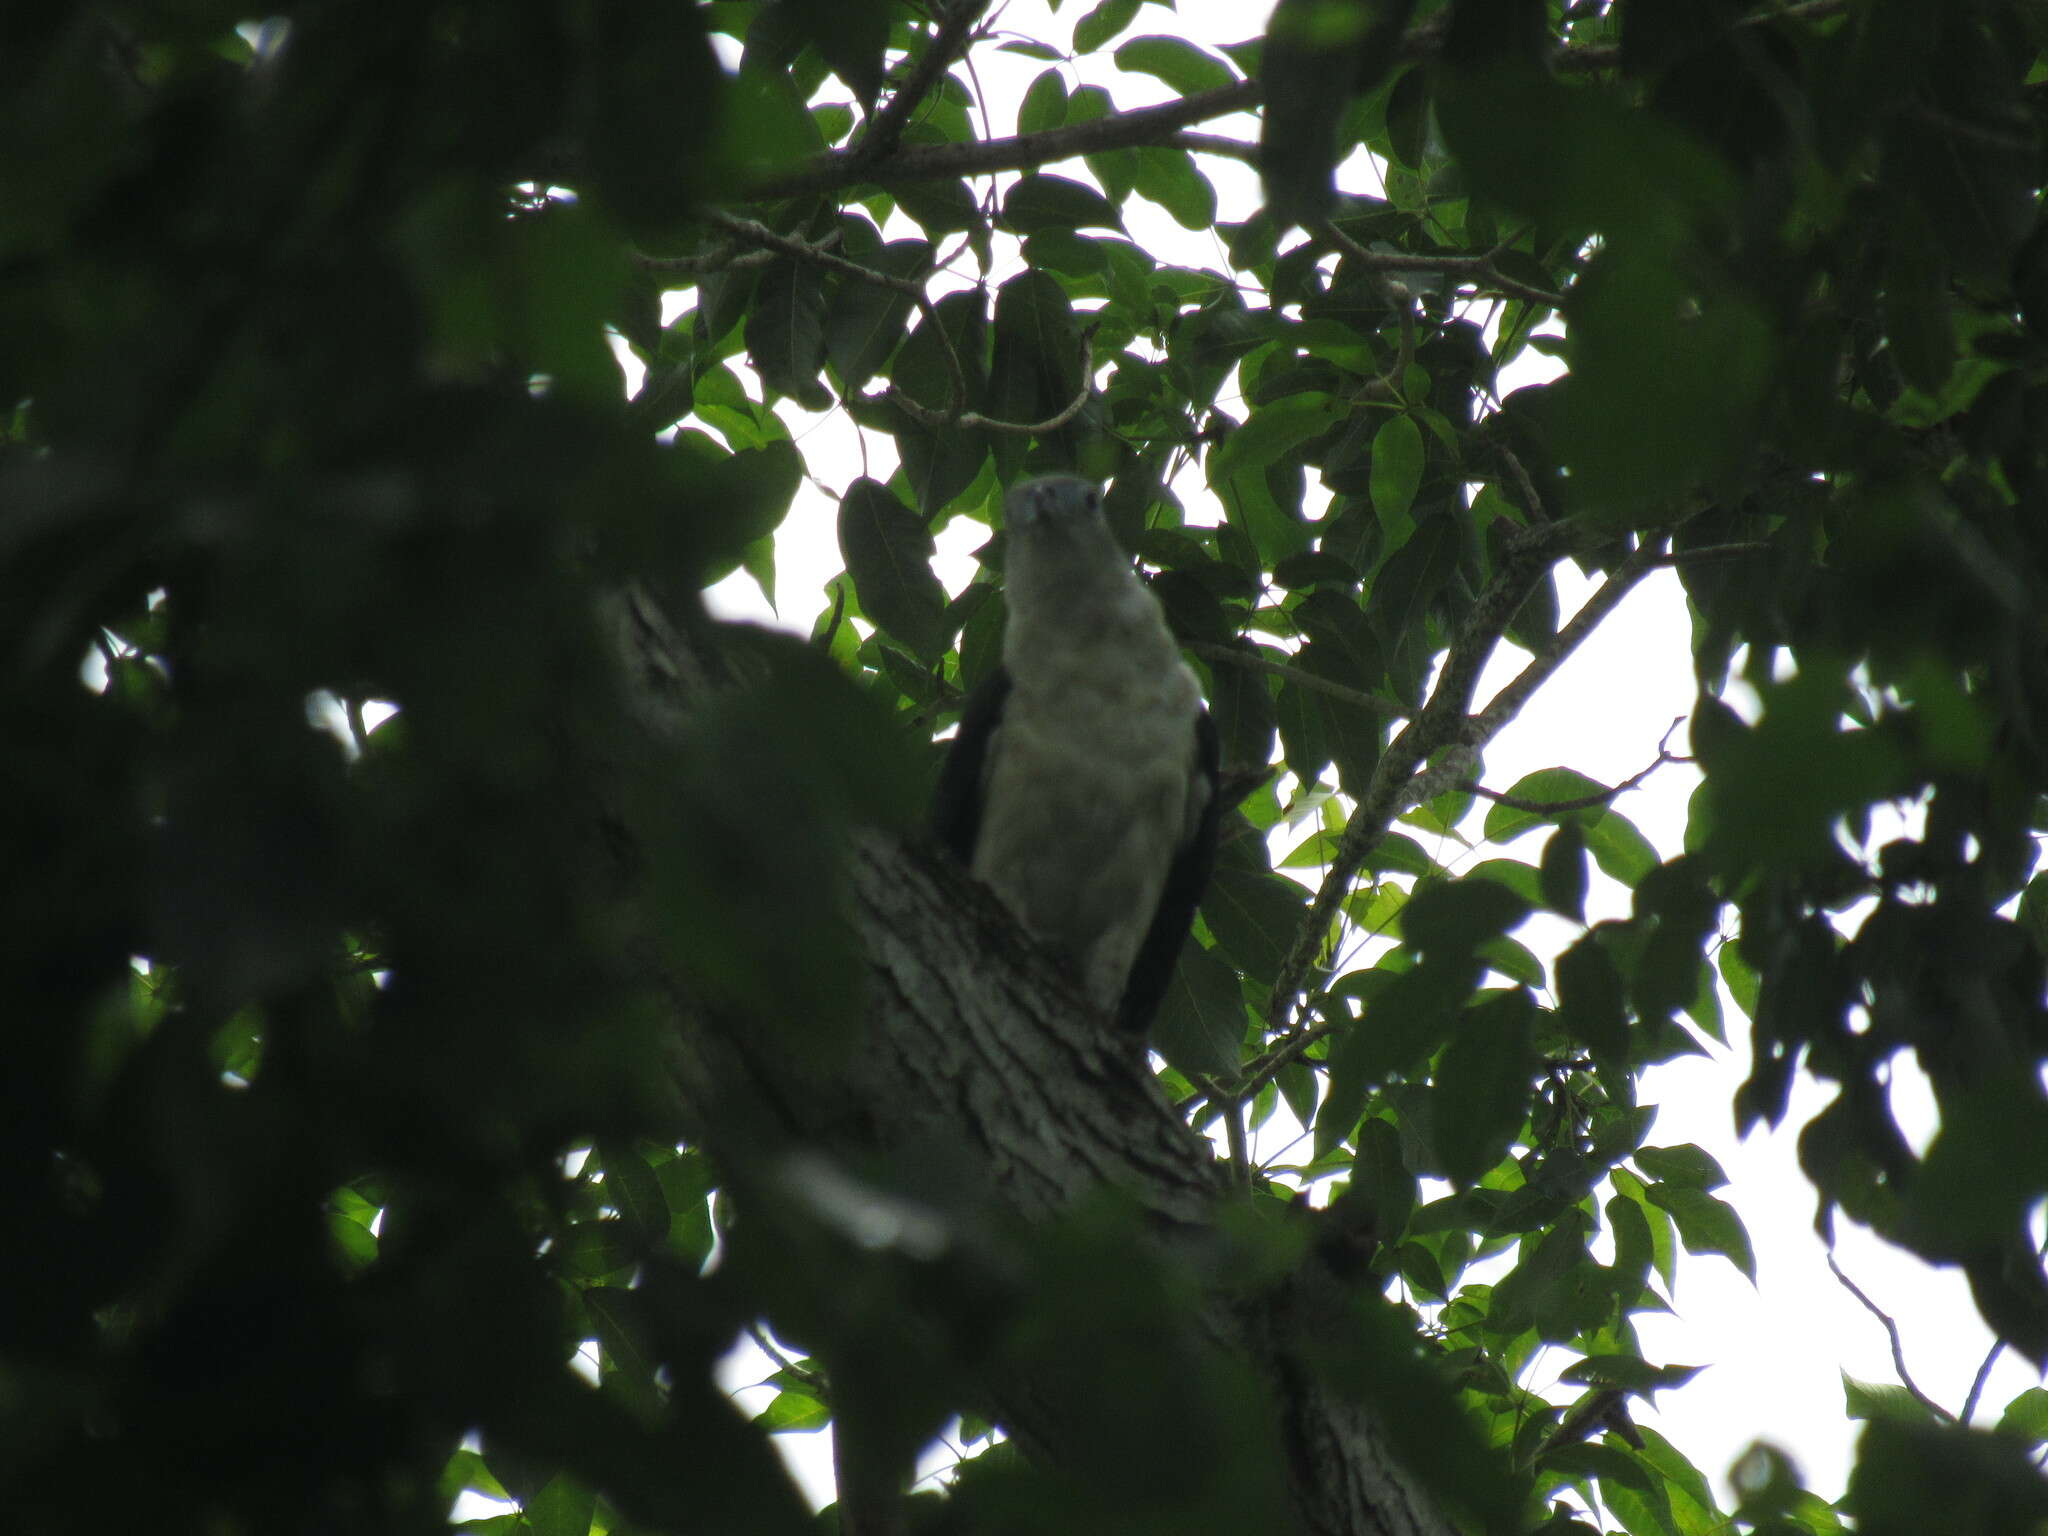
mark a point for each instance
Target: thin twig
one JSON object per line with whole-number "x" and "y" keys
{"x": 1532, "y": 504}
{"x": 1441, "y": 724}
{"x": 1262, "y": 1069}
{"x": 756, "y": 233}
{"x": 1891, "y": 1330}
{"x": 1479, "y": 270}
{"x": 974, "y": 421}
{"x": 1232, "y": 1110}
{"x": 1977, "y": 1383}
{"x": 1710, "y": 552}
{"x": 911, "y": 288}
{"x": 1257, "y": 661}
{"x": 1583, "y": 802}
{"x": 814, "y": 1381}
{"x": 727, "y": 258}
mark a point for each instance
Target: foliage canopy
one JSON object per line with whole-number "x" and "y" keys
{"x": 311, "y": 405}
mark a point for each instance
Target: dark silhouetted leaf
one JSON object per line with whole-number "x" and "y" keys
{"x": 888, "y": 552}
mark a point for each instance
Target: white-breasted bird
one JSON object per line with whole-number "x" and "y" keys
{"x": 1082, "y": 787}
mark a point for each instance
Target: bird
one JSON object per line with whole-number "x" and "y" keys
{"x": 1082, "y": 785}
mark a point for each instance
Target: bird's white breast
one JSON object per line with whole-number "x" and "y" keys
{"x": 1088, "y": 791}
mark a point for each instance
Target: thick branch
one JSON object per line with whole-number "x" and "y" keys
{"x": 1141, "y": 127}
{"x": 1018, "y": 152}
{"x": 1508, "y": 703}
{"x": 1216, "y": 144}
{"x": 972, "y": 1040}
{"x": 884, "y": 131}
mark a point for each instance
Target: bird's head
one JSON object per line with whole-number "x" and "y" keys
{"x": 1052, "y": 507}
{"x": 1062, "y": 564}
{"x": 1058, "y": 536}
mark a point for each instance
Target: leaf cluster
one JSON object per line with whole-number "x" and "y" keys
{"x": 339, "y": 1112}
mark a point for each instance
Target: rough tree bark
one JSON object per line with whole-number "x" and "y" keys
{"x": 975, "y": 1043}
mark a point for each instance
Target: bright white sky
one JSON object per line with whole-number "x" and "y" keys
{"x": 1776, "y": 1352}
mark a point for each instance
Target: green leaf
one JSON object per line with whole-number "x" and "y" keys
{"x": 1351, "y": 1066}
{"x": 1035, "y": 370}
{"x": 1882, "y": 1400}
{"x": 1482, "y": 1086}
{"x": 685, "y": 1183}
{"x": 1063, "y": 251}
{"x": 1912, "y": 1477}
{"x": 1707, "y": 1225}
{"x": 1743, "y": 982}
{"x": 865, "y": 321}
{"x": 1562, "y": 872}
{"x": 851, "y": 35}
{"x": 834, "y": 120}
{"x": 939, "y": 205}
{"x": 937, "y": 358}
{"x": 1676, "y": 1501}
{"x": 1517, "y": 877}
{"x": 634, "y": 1192}
{"x": 1512, "y": 959}
{"x": 1621, "y": 851}
{"x": 1103, "y": 23}
{"x": 1170, "y": 178}
{"x": 1396, "y": 470}
{"x": 1408, "y": 584}
{"x": 1316, "y": 55}
{"x": 1201, "y": 1023}
{"x": 563, "y": 1508}
{"x": 630, "y": 1371}
{"x": 1408, "y": 119}
{"x": 1273, "y": 430}
{"x": 464, "y": 1471}
{"x": 1985, "y": 1169}
{"x": 791, "y": 1409}
{"x": 1044, "y": 105}
{"x": 786, "y": 332}
{"x": 356, "y": 1241}
{"x": 1634, "y": 1250}
{"x": 1255, "y": 917}
{"x": 1381, "y": 1177}
{"x": 2027, "y": 1416}
{"x": 1687, "y": 1165}
{"x": 590, "y": 1250}
{"x": 1591, "y": 998}
{"x": 1546, "y": 786}
{"x": 1176, "y": 62}
{"x": 1454, "y": 917}
{"x": 1040, "y": 202}
{"x": 888, "y": 552}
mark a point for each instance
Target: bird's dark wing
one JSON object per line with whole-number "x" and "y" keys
{"x": 1186, "y": 879}
{"x": 957, "y": 804}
